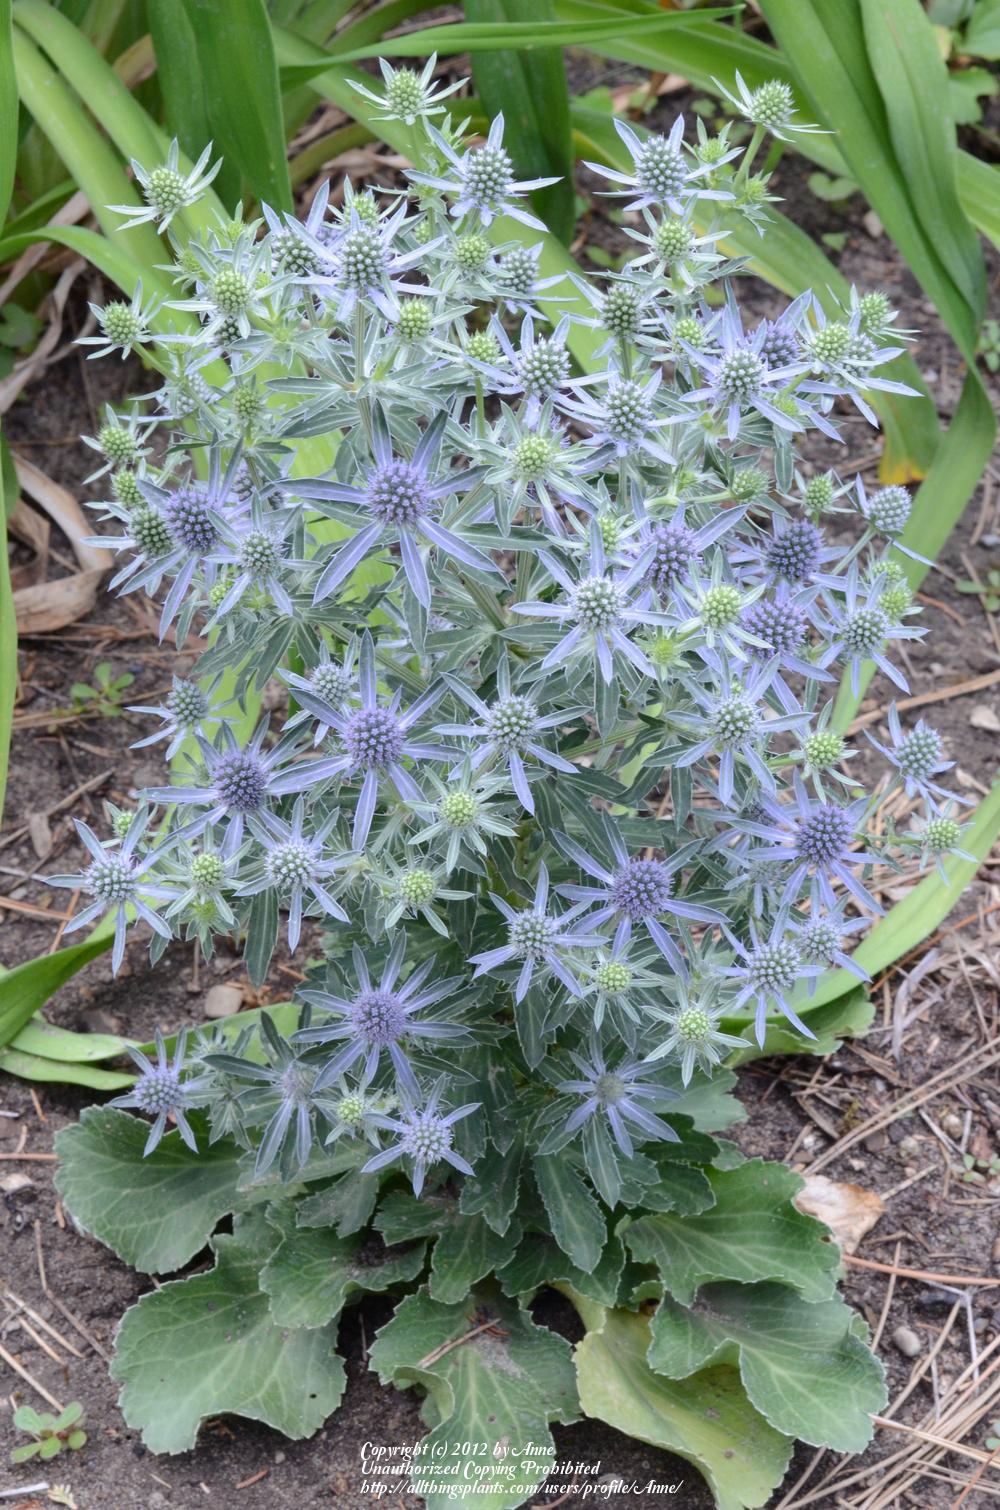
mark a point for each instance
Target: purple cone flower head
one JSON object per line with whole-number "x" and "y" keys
{"x": 817, "y": 840}
{"x": 377, "y": 738}
{"x": 161, "y": 1092}
{"x": 381, "y": 1018}
{"x": 400, "y": 501}
{"x": 634, "y": 892}
{"x": 242, "y": 782}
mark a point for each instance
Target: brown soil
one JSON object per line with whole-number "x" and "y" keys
{"x": 798, "y": 1107}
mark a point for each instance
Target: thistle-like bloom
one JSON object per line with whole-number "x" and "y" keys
{"x": 675, "y": 547}
{"x": 769, "y": 973}
{"x": 621, "y": 419}
{"x": 400, "y": 499}
{"x": 283, "y": 1093}
{"x": 844, "y": 359}
{"x": 600, "y": 611}
{"x": 294, "y": 866}
{"x": 186, "y": 711}
{"x": 694, "y": 1037}
{"x": 424, "y": 1135}
{"x": 916, "y": 757}
{"x": 482, "y": 182}
{"x": 818, "y": 840}
{"x": 166, "y": 189}
{"x": 376, "y": 739}
{"x": 537, "y": 367}
{"x": 367, "y": 266}
{"x": 635, "y": 892}
{"x": 242, "y": 781}
{"x": 796, "y": 553}
{"x": 619, "y": 985}
{"x": 739, "y": 378}
{"x": 408, "y": 96}
{"x": 119, "y": 880}
{"x": 161, "y": 1092}
{"x": 255, "y": 551}
{"x": 821, "y": 937}
{"x": 735, "y": 725}
{"x": 938, "y": 835}
{"x": 381, "y": 1018}
{"x": 330, "y": 684}
{"x": 509, "y": 730}
{"x": 886, "y": 513}
{"x": 661, "y": 174}
{"x": 861, "y": 630}
{"x": 124, "y": 327}
{"x": 620, "y": 1095}
{"x": 463, "y": 816}
{"x": 539, "y": 940}
{"x": 770, "y": 105}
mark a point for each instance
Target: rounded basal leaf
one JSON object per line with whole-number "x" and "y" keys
{"x": 156, "y": 1212}
{"x": 491, "y": 1376}
{"x": 754, "y": 1231}
{"x": 705, "y": 1418}
{"x": 802, "y": 1365}
{"x": 197, "y": 1347}
{"x": 312, "y": 1272}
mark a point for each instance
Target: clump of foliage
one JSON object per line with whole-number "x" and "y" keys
{"x": 52, "y": 1434}
{"x": 559, "y": 783}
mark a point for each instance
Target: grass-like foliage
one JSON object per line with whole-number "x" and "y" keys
{"x": 558, "y": 787}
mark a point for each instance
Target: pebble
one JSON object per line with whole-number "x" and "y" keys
{"x": 909, "y": 1148}
{"x": 907, "y": 1341}
{"x": 223, "y": 1001}
{"x": 953, "y": 1124}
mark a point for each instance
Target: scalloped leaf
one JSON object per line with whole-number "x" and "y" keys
{"x": 802, "y": 1365}
{"x": 313, "y": 1272}
{"x": 200, "y": 1346}
{"x": 500, "y": 1384}
{"x": 705, "y": 1418}
{"x": 753, "y": 1232}
{"x": 156, "y": 1213}
{"x": 467, "y": 1250}
{"x": 540, "y": 1261}
{"x": 345, "y": 1205}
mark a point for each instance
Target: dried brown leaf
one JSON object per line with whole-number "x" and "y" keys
{"x": 848, "y": 1210}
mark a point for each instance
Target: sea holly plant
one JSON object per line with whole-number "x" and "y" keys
{"x": 557, "y": 818}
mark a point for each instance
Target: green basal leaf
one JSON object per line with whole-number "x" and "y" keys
{"x": 312, "y": 1272}
{"x": 492, "y": 1192}
{"x": 539, "y": 1261}
{"x": 802, "y": 1365}
{"x": 578, "y": 1224}
{"x": 707, "y": 1100}
{"x": 199, "y": 1346}
{"x": 491, "y": 1376}
{"x": 847, "y": 1015}
{"x": 754, "y": 1231}
{"x": 156, "y": 1212}
{"x": 705, "y": 1418}
{"x": 467, "y": 1250}
{"x": 53, "y": 1071}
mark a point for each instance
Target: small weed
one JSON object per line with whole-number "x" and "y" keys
{"x": 105, "y": 696}
{"x": 987, "y": 589}
{"x": 51, "y": 1433}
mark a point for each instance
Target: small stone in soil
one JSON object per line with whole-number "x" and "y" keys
{"x": 907, "y": 1341}
{"x": 223, "y": 1001}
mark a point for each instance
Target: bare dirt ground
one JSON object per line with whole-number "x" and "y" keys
{"x": 894, "y": 1113}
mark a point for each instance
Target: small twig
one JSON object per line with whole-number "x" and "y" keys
{"x": 941, "y": 695}
{"x": 446, "y": 1347}
{"x": 39, "y": 1389}
{"x": 930, "y": 1278}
